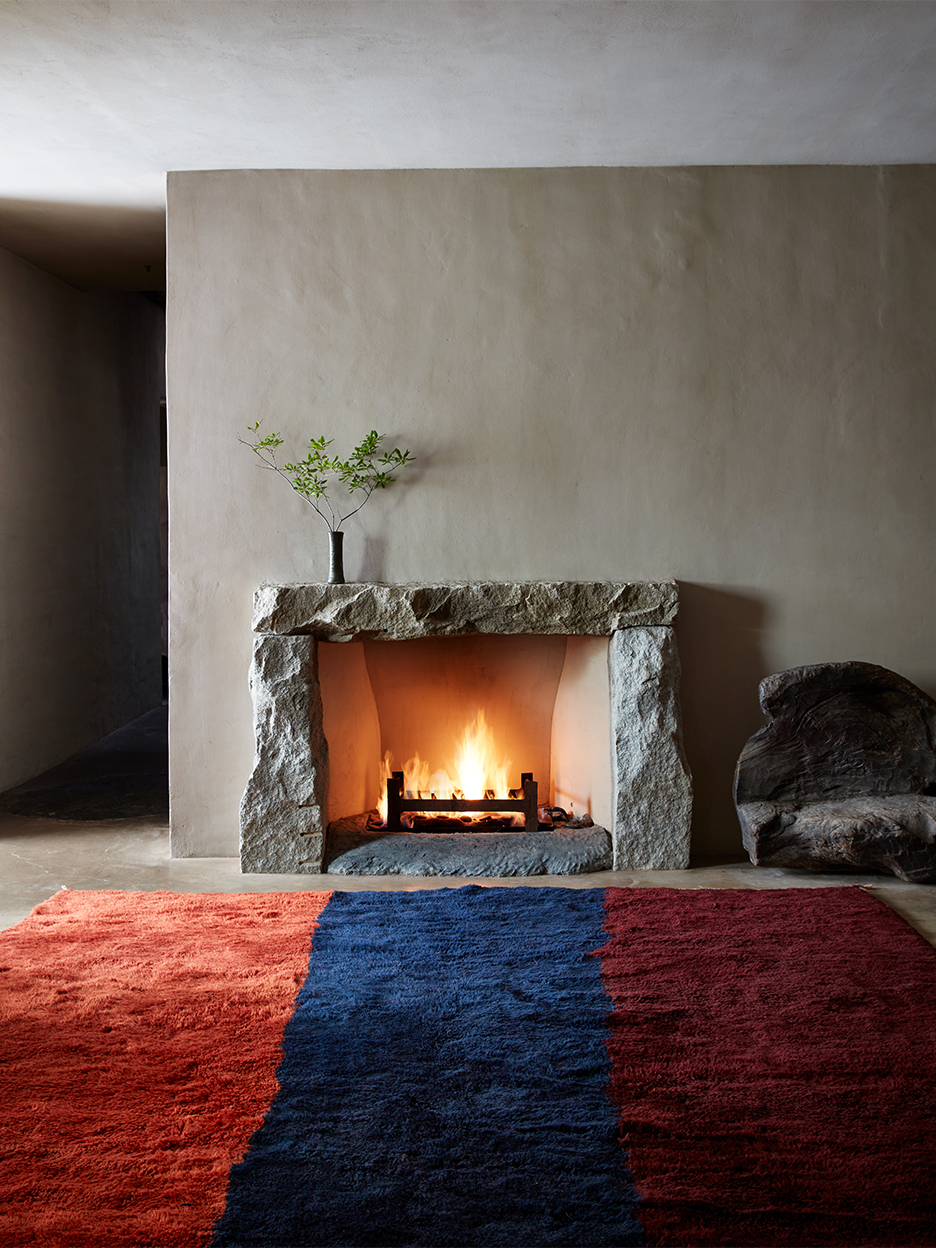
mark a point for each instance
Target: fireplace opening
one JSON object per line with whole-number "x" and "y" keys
{"x": 466, "y": 719}
{"x": 577, "y": 679}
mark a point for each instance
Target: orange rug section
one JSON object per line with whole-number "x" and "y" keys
{"x": 138, "y": 1050}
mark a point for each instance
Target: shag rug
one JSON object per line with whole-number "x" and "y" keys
{"x": 467, "y": 1066}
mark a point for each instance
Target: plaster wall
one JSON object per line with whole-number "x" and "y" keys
{"x": 80, "y": 382}
{"x": 719, "y": 375}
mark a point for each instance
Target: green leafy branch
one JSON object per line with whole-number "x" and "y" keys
{"x": 312, "y": 477}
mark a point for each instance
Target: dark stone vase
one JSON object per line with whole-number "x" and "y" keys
{"x": 335, "y": 557}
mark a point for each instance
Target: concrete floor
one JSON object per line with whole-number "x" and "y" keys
{"x": 39, "y": 856}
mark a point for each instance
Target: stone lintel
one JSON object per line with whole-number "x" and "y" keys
{"x": 403, "y": 612}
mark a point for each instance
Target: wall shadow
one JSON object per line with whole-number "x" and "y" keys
{"x": 89, "y": 246}
{"x": 374, "y": 562}
{"x": 719, "y": 636}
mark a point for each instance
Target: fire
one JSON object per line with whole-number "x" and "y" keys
{"x": 476, "y": 770}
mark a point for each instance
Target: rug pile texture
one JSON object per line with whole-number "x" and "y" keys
{"x": 471, "y": 1066}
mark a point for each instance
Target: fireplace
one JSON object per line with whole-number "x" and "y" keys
{"x": 580, "y": 679}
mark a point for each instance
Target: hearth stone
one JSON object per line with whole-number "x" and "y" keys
{"x": 844, "y": 774}
{"x": 282, "y": 812}
{"x": 352, "y": 850}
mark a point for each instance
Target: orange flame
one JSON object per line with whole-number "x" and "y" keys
{"x": 475, "y": 770}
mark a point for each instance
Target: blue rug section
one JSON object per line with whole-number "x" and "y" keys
{"x": 443, "y": 1082}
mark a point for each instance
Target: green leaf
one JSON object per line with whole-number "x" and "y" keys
{"x": 311, "y": 477}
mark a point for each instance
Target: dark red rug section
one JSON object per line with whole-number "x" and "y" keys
{"x": 774, "y": 1066}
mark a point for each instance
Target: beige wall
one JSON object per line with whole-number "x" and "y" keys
{"x": 80, "y": 380}
{"x": 719, "y": 375}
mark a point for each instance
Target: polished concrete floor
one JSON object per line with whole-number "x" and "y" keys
{"x": 38, "y": 856}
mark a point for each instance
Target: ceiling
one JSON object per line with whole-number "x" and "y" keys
{"x": 99, "y": 98}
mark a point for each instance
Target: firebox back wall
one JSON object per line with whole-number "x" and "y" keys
{"x": 545, "y": 698}
{"x": 717, "y": 375}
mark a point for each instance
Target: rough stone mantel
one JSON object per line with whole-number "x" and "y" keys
{"x": 405, "y": 612}
{"x": 283, "y": 809}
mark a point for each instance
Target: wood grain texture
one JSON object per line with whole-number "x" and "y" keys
{"x": 844, "y": 773}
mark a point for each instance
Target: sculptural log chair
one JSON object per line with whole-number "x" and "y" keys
{"x": 843, "y": 776}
